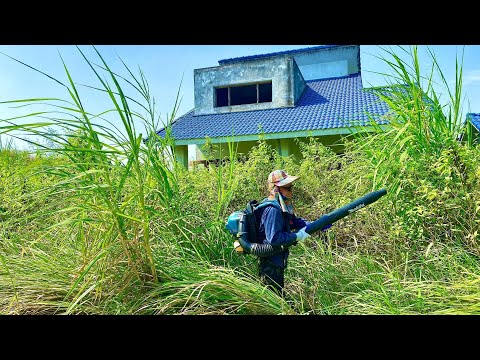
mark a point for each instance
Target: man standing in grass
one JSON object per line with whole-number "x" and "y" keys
{"x": 276, "y": 223}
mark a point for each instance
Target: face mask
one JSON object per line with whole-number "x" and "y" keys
{"x": 281, "y": 199}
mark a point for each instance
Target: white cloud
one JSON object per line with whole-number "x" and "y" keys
{"x": 471, "y": 77}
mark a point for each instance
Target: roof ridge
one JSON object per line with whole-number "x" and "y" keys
{"x": 335, "y": 77}
{"x": 251, "y": 57}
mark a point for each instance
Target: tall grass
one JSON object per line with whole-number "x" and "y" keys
{"x": 107, "y": 176}
{"x": 115, "y": 208}
{"x": 102, "y": 219}
{"x": 420, "y": 158}
{"x": 419, "y": 123}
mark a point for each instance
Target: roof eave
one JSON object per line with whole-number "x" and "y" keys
{"x": 282, "y": 135}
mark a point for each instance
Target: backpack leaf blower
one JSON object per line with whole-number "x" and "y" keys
{"x": 242, "y": 245}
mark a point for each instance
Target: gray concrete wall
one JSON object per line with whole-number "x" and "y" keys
{"x": 277, "y": 70}
{"x": 299, "y": 84}
{"x": 329, "y": 62}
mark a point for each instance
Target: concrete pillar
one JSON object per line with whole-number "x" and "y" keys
{"x": 284, "y": 147}
{"x": 181, "y": 155}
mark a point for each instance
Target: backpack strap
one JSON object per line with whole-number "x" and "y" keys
{"x": 286, "y": 216}
{"x": 249, "y": 213}
{"x": 266, "y": 202}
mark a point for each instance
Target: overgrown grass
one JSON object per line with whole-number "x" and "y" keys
{"x": 100, "y": 221}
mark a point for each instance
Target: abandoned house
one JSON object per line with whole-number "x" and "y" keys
{"x": 473, "y": 126}
{"x": 310, "y": 92}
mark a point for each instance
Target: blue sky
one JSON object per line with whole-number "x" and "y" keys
{"x": 165, "y": 65}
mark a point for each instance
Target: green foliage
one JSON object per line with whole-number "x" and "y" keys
{"x": 429, "y": 173}
{"x": 98, "y": 221}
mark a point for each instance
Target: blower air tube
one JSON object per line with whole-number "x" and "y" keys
{"x": 340, "y": 213}
{"x": 263, "y": 250}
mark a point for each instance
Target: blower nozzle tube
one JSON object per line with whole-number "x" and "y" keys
{"x": 263, "y": 250}
{"x": 346, "y": 210}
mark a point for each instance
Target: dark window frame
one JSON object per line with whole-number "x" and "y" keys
{"x": 268, "y": 95}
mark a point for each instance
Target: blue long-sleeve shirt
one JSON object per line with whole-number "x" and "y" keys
{"x": 273, "y": 230}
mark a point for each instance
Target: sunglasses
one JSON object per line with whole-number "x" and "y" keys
{"x": 288, "y": 187}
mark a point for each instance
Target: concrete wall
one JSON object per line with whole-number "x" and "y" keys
{"x": 278, "y": 70}
{"x": 329, "y": 62}
{"x": 299, "y": 84}
{"x": 287, "y": 72}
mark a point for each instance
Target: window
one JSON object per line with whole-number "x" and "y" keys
{"x": 244, "y": 94}
{"x": 222, "y": 97}
{"x": 265, "y": 92}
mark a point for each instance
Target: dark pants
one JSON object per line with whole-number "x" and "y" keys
{"x": 272, "y": 275}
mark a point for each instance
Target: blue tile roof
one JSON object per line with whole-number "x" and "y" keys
{"x": 474, "y": 119}
{"x": 326, "y": 104}
{"x": 254, "y": 57}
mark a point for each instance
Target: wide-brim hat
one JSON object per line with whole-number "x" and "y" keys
{"x": 281, "y": 178}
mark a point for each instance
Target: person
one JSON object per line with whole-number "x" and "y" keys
{"x": 276, "y": 228}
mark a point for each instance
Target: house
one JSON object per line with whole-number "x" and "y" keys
{"x": 315, "y": 91}
{"x": 473, "y": 123}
